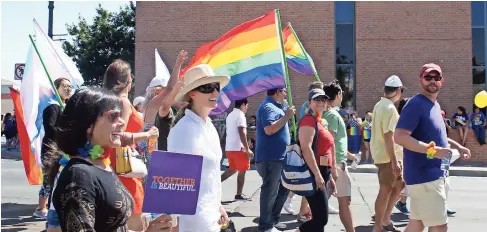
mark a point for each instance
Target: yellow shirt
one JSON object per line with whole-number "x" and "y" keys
{"x": 384, "y": 119}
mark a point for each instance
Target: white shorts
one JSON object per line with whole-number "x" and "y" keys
{"x": 428, "y": 203}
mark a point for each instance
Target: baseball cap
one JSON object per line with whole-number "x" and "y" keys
{"x": 314, "y": 93}
{"x": 157, "y": 81}
{"x": 427, "y": 68}
{"x": 394, "y": 81}
{"x": 138, "y": 100}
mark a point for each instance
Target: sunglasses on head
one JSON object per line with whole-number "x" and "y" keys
{"x": 430, "y": 77}
{"x": 208, "y": 88}
{"x": 113, "y": 115}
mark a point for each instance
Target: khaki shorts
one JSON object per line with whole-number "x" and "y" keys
{"x": 386, "y": 176}
{"x": 343, "y": 183}
{"x": 428, "y": 202}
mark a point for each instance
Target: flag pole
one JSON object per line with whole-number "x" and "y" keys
{"x": 288, "y": 83}
{"x": 305, "y": 53}
{"x": 58, "y": 98}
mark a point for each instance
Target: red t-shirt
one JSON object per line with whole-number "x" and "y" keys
{"x": 325, "y": 139}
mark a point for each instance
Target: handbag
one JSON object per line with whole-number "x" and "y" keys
{"x": 128, "y": 163}
{"x": 295, "y": 175}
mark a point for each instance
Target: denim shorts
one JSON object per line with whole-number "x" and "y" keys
{"x": 52, "y": 219}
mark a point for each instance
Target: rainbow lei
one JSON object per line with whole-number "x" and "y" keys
{"x": 93, "y": 152}
{"x": 430, "y": 151}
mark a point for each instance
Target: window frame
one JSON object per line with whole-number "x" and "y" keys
{"x": 353, "y": 65}
{"x": 485, "y": 37}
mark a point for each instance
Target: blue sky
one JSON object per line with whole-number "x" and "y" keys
{"x": 17, "y": 24}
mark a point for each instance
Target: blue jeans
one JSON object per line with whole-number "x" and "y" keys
{"x": 272, "y": 194}
{"x": 479, "y": 131}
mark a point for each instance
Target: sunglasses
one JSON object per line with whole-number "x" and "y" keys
{"x": 429, "y": 78}
{"x": 113, "y": 115}
{"x": 319, "y": 99}
{"x": 208, "y": 88}
{"x": 67, "y": 86}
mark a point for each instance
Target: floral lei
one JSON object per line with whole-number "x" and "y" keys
{"x": 88, "y": 151}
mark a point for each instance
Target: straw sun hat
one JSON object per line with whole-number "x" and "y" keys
{"x": 200, "y": 75}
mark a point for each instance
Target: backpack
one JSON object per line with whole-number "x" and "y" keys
{"x": 295, "y": 175}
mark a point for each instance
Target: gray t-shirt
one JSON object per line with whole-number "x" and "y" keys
{"x": 164, "y": 125}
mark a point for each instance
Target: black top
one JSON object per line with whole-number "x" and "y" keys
{"x": 49, "y": 118}
{"x": 164, "y": 125}
{"x": 88, "y": 198}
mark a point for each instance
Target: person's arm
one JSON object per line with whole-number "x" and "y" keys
{"x": 49, "y": 118}
{"x": 126, "y": 111}
{"x": 173, "y": 86}
{"x": 271, "y": 125}
{"x": 132, "y": 138}
{"x": 482, "y": 116}
{"x": 306, "y": 135}
{"x": 334, "y": 162}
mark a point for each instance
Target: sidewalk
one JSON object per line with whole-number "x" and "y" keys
{"x": 454, "y": 170}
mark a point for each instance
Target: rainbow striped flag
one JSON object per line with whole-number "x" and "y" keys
{"x": 353, "y": 131}
{"x": 32, "y": 171}
{"x": 297, "y": 58}
{"x": 251, "y": 54}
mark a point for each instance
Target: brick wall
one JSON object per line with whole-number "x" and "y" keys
{"x": 479, "y": 153}
{"x": 399, "y": 37}
{"x": 172, "y": 26}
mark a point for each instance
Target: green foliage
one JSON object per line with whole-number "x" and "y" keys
{"x": 93, "y": 47}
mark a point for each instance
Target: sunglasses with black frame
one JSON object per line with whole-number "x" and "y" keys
{"x": 208, "y": 88}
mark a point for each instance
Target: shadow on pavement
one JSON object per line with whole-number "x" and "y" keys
{"x": 364, "y": 228}
{"x": 399, "y": 217}
{"x": 250, "y": 229}
{"x": 18, "y": 217}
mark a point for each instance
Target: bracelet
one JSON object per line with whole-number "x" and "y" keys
{"x": 430, "y": 151}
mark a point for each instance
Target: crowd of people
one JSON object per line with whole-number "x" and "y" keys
{"x": 83, "y": 189}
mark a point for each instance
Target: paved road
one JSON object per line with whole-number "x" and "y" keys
{"x": 468, "y": 198}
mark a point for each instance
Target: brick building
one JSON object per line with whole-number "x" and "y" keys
{"x": 358, "y": 43}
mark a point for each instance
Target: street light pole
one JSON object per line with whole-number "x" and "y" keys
{"x": 51, "y": 13}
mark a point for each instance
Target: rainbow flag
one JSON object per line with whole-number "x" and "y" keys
{"x": 251, "y": 54}
{"x": 33, "y": 173}
{"x": 297, "y": 58}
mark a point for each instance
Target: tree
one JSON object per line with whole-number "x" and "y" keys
{"x": 93, "y": 47}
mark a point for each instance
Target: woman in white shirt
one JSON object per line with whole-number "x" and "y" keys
{"x": 195, "y": 134}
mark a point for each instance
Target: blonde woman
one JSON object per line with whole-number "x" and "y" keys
{"x": 194, "y": 133}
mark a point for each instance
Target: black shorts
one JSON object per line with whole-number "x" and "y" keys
{"x": 367, "y": 140}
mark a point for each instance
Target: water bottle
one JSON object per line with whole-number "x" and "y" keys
{"x": 445, "y": 164}
{"x": 356, "y": 161}
{"x": 285, "y": 104}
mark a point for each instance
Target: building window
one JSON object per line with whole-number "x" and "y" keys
{"x": 345, "y": 52}
{"x": 479, "y": 46}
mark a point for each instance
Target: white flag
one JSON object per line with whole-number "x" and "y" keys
{"x": 57, "y": 63}
{"x": 161, "y": 68}
{"x": 36, "y": 93}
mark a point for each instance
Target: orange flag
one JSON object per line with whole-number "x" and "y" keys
{"x": 34, "y": 173}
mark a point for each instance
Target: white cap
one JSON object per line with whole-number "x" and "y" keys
{"x": 157, "y": 81}
{"x": 394, "y": 81}
{"x": 138, "y": 100}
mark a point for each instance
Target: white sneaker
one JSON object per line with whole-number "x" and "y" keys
{"x": 273, "y": 230}
{"x": 288, "y": 207}
{"x": 280, "y": 225}
{"x": 332, "y": 210}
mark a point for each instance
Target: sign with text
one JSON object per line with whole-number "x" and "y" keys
{"x": 19, "y": 71}
{"x": 173, "y": 183}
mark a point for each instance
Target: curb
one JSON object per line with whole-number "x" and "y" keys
{"x": 454, "y": 171}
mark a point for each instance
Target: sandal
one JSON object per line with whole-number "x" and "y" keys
{"x": 390, "y": 227}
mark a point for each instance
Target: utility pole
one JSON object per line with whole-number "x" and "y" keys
{"x": 51, "y": 14}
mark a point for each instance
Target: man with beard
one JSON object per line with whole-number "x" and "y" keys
{"x": 422, "y": 134}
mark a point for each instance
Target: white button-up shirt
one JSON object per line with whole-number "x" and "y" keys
{"x": 192, "y": 135}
